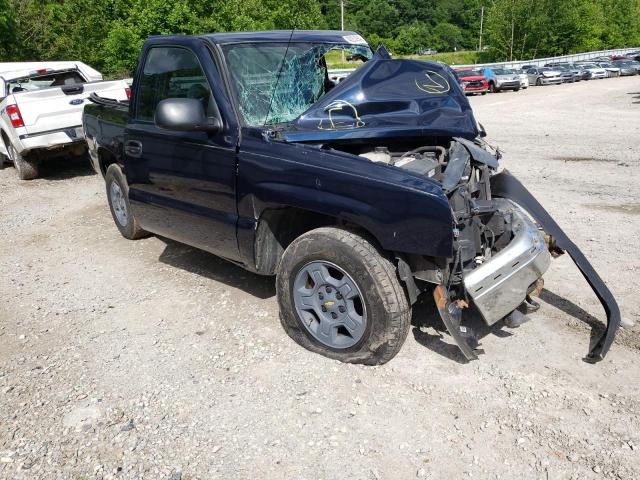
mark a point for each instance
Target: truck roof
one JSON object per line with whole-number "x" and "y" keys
{"x": 313, "y": 36}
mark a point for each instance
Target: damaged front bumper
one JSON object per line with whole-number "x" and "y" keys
{"x": 501, "y": 284}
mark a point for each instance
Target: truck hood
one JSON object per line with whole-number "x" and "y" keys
{"x": 388, "y": 98}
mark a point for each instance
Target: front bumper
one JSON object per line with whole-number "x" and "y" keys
{"x": 508, "y": 85}
{"x": 497, "y": 286}
{"x": 500, "y": 285}
{"x": 507, "y": 186}
{"x": 551, "y": 80}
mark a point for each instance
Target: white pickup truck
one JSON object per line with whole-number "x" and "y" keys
{"x": 41, "y": 106}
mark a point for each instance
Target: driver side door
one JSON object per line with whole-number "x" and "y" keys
{"x": 182, "y": 183}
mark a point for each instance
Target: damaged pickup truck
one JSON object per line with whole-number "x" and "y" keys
{"x": 358, "y": 196}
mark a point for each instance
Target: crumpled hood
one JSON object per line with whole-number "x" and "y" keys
{"x": 388, "y": 98}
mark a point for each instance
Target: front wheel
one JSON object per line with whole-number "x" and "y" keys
{"x": 118, "y": 196}
{"x": 27, "y": 169}
{"x": 339, "y": 296}
{"x": 539, "y": 82}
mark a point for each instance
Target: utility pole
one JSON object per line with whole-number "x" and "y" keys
{"x": 481, "y": 25}
{"x": 513, "y": 27}
{"x": 342, "y": 24}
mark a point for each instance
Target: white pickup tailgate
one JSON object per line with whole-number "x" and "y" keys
{"x": 51, "y": 109}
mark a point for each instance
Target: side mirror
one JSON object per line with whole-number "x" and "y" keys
{"x": 185, "y": 115}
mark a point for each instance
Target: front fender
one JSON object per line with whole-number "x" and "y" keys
{"x": 404, "y": 212}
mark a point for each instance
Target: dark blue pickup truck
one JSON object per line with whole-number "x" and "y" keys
{"x": 358, "y": 195}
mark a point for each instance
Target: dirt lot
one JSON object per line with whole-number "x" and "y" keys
{"x": 153, "y": 360}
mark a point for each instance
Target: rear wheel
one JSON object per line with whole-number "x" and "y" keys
{"x": 118, "y": 196}
{"x": 27, "y": 169}
{"x": 341, "y": 297}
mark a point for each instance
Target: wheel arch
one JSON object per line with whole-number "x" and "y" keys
{"x": 278, "y": 226}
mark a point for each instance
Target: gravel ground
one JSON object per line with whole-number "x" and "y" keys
{"x": 153, "y": 360}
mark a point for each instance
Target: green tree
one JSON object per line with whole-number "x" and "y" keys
{"x": 7, "y": 29}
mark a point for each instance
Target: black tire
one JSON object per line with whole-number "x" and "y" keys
{"x": 128, "y": 224}
{"x": 516, "y": 89}
{"x": 388, "y": 313}
{"x": 538, "y": 82}
{"x": 483, "y": 93}
{"x": 27, "y": 169}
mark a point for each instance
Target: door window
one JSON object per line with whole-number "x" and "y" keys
{"x": 171, "y": 72}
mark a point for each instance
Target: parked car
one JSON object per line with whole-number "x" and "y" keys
{"x": 41, "y": 111}
{"x": 472, "y": 81}
{"x": 576, "y": 74}
{"x": 501, "y": 79}
{"x": 626, "y": 68}
{"x": 635, "y": 64}
{"x": 358, "y": 196}
{"x": 566, "y": 74}
{"x": 524, "y": 79}
{"x": 612, "y": 70}
{"x": 595, "y": 70}
{"x": 544, "y": 76}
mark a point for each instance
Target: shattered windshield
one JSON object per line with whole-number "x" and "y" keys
{"x": 263, "y": 99}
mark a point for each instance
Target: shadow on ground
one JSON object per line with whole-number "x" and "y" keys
{"x": 637, "y": 97}
{"x": 430, "y": 332}
{"x": 570, "y": 308}
{"x": 209, "y": 266}
{"x": 428, "y": 329}
{"x": 61, "y": 168}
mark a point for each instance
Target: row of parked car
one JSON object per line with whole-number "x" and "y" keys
{"x": 495, "y": 79}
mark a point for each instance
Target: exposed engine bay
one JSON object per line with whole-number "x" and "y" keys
{"x": 482, "y": 226}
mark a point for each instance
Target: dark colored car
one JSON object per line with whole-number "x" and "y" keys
{"x": 359, "y": 196}
{"x": 472, "y": 81}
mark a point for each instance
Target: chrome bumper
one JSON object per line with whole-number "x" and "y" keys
{"x": 500, "y": 285}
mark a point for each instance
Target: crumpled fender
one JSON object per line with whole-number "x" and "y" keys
{"x": 506, "y": 185}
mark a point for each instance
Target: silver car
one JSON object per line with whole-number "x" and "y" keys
{"x": 595, "y": 70}
{"x": 612, "y": 70}
{"x": 544, "y": 76}
{"x": 626, "y": 68}
{"x": 504, "y": 79}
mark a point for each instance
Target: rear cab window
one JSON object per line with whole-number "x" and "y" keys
{"x": 39, "y": 81}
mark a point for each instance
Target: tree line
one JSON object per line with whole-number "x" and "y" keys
{"x": 108, "y": 34}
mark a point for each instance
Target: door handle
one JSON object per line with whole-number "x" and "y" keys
{"x": 133, "y": 148}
